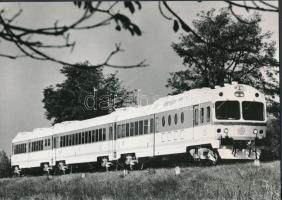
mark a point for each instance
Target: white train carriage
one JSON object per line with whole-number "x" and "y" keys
{"x": 226, "y": 122}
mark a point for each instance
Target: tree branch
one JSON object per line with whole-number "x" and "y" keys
{"x": 21, "y": 36}
{"x": 274, "y": 9}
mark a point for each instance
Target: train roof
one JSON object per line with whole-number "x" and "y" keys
{"x": 187, "y": 98}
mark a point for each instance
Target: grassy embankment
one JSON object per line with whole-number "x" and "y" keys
{"x": 233, "y": 181}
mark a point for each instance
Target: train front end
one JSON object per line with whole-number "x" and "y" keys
{"x": 239, "y": 121}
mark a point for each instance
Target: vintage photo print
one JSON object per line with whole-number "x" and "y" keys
{"x": 117, "y": 100}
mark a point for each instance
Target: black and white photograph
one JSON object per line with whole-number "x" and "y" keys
{"x": 134, "y": 100}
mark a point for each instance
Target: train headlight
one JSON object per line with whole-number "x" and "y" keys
{"x": 226, "y": 132}
{"x": 261, "y": 131}
{"x": 239, "y": 94}
{"x": 255, "y": 131}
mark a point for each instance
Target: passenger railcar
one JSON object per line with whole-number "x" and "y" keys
{"x": 227, "y": 122}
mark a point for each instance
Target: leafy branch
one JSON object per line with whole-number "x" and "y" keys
{"x": 23, "y": 37}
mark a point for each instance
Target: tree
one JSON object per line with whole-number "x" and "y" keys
{"x": 5, "y": 165}
{"x": 86, "y": 93}
{"x": 239, "y": 52}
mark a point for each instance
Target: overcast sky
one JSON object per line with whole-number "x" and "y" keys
{"x": 22, "y": 81}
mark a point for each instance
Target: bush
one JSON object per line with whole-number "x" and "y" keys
{"x": 272, "y": 151}
{"x": 5, "y": 165}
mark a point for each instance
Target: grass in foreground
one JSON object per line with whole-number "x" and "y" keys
{"x": 236, "y": 181}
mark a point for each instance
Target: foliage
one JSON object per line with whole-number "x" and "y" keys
{"x": 232, "y": 181}
{"x": 272, "y": 151}
{"x": 5, "y": 165}
{"x": 74, "y": 98}
{"x": 233, "y": 51}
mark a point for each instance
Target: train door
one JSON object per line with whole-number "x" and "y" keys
{"x": 195, "y": 121}
{"x": 151, "y": 131}
{"x": 54, "y": 146}
{"x": 112, "y": 141}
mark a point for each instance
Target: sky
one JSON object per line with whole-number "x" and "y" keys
{"x": 22, "y": 80}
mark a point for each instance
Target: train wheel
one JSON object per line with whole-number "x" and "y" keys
{"x": 16, "y": 172}
{"x": 105, "y": 163}
{"x": 46, "y": 168}
{"x": 62, "y": 168}
{"x": 130, "y": 161}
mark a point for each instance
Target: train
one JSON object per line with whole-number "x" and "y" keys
{"x": 223, "y": 122}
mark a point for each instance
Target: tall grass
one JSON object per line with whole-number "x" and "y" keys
{"x": 233, "y": 181}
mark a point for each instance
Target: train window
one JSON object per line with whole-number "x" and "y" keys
{"x": 54, "y": 142}
{"x": 118, "y": 131}
{"x": 123, "y": 131}
{"x": 175, "y": 119}
{"x": 202, "y": 115}
{"x": 79, "y": 138}
{"x": 131, "y": 128}
{"x": 127, "y": 129}
{"x": 227, "y": 110}
{"x": 49, "y": 141}
{"x": 29, "y": 147}
{"x": 73, "y": 139}
{"x": 140, "y": 127}
{"x": 110, "y": 133}
{"x": 169, "y": 120}
{"x": 253, "y": 110}
{"x": 93, "y": 136}
{"x": 182, "y": 117}
{"x": 70, "y": 140}
{"x": 151, "y": 125}
{"x": 86, "y": 137}
{"x": 146, "y": 126}
{"x": 104, "y": 134}
{"x": 96, "y": 135}
{"x": 196, "y": 117}
{"x": 61, "y": 141}
{"x": 82, "y": 137}
{"x": 45, "y": 142}
{"x": 64, "y": 141}
{"x": 136, "y": 128}
{"x": 100, "y": 135}
{"x": 76, "y": 139}
{"x": 157, "y": 126}
{"x": 208, "y": 114}
{"x": 89, "y": 136}
{"x": 41, "y": 145}
{"x": 163, "y": 121}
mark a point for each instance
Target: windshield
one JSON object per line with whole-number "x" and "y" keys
{"x": 253, "y": 110}
{"x": 228, "y": 110}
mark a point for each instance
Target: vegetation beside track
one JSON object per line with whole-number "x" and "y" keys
{"x": 229, "y": 181}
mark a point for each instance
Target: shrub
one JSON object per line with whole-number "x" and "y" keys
{"x": 5, "y": 165}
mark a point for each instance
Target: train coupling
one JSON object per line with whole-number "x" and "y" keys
{"x": 241, "y": 149}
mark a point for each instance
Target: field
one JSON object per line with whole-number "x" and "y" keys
{"x": 229, "y": 181}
